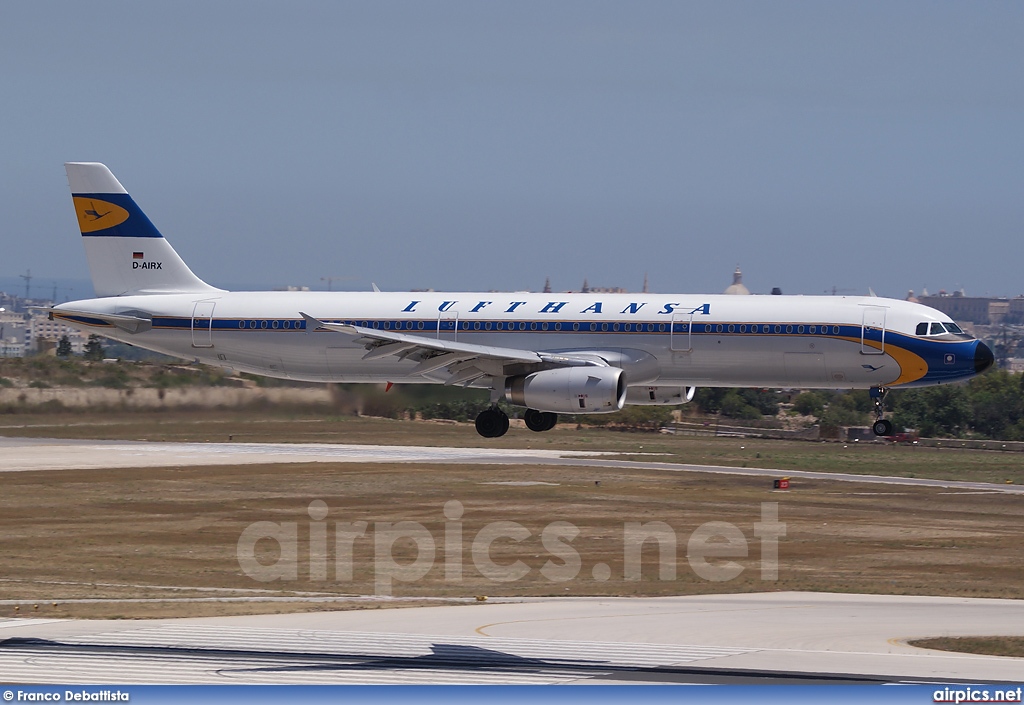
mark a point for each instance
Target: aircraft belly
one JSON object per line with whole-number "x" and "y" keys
{"x": 734, "y": 361}
{"x": 779, "y": 362}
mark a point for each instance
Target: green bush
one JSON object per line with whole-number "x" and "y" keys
{"x": 631, "y": 418}
{"x": 809, "y": 404}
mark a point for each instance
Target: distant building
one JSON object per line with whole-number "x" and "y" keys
{"x": 976, "y": 309}
{"x": 737, "y": 288}
{"x": 587, "y": 289}
{"x": 13, "y": 333}
{"x": 42, "y": 333}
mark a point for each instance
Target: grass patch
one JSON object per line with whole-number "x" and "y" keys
{"x": 171, "y": 533}
{"x": 989, "y": 645}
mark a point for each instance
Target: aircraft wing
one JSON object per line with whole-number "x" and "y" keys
{"x": 465, "y": 362}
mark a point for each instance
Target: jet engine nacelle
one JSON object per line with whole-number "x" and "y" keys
{"x": 570, "y": 390}
{"x": 659, "y": 396}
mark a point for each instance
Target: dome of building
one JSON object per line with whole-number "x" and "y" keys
{"x": 737, "y": 284}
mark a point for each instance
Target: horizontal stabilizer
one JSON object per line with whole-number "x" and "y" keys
{"x": 130, "y": 324}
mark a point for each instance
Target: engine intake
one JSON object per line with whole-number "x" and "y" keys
{"x": 570, "y": 390}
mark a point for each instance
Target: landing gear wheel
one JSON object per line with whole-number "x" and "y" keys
{"x": 881, "y": 427}
{"x": 540, "y": 420}
{"x": 492, "y": 423}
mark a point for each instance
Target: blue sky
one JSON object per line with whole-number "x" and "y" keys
{"x": 488, "y": 145}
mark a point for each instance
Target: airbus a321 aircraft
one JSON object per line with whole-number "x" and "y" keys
{"x": 550, "y": 353}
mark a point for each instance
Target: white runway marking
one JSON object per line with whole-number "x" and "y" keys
{"x": 29, "y": 621}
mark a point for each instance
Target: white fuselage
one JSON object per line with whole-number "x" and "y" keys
{"x": 662, "y": 340}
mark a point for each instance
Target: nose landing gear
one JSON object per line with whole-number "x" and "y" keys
{"x": 882, "y": 426}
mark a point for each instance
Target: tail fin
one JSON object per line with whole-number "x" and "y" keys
{"x": 127, "y": 254}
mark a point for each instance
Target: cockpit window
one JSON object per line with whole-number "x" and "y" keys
{"x": 935, "y": 328}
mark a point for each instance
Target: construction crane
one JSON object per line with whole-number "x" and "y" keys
{"x": 63, "y": 290}
{"x": 330, "y": 281}
{"x": 27, "y": 276}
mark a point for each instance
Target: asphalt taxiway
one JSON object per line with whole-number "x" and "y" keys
{"x": 749, "y": 638}
{"x": 25, "y": 454}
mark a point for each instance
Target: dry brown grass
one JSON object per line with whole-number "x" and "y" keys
{"x": 171, "y": 533}
{"x": 989, "y": 645}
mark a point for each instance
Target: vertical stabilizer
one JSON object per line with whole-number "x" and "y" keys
{"x": 126, "y": 253}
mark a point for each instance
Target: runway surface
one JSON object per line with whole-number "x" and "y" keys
{"x": 753, "y": 638}
{"x": 25, "y": 454}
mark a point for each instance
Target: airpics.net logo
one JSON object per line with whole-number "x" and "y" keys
{"x": 406, "y": 551}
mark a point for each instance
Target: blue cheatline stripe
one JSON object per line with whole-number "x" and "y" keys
{"x": 931, "y": 350}
{"x": 809, "y": 331}
{"x": 137, "y": 224}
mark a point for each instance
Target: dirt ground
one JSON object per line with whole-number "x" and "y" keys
{"x": 169, "y": 535}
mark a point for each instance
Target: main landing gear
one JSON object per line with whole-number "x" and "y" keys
{"x": 540, "y": 420}
{"x": 882, "y": 426}
{"x": 492, "y": 423}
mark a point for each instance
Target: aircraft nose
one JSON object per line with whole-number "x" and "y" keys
{"x": 983, "y": 357}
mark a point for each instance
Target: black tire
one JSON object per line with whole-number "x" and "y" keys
{"x": 550, "y": 420}
{"x": 882, "y": 427}
{"x": 535, "y": 420}
{"x": 492, "y": 423}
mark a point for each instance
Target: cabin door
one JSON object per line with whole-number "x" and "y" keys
{"x": 202, "y": 324}
{"x": 872, "y": 331}
{"x": 448, "y": 326}
{"x": 680, "y": 339}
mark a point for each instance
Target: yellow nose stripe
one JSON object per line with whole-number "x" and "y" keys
{"x": 94, "y": 214}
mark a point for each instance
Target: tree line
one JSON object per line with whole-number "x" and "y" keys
{"x": 990, "y": 406}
